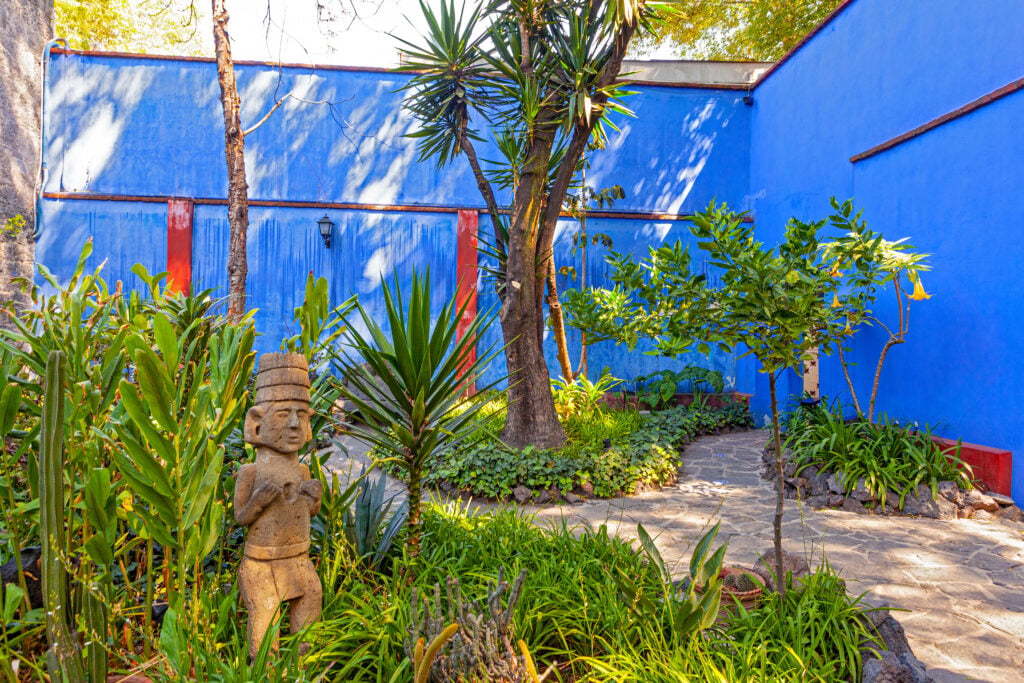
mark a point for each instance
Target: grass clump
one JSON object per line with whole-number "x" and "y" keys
{"x": 815, "y": 634}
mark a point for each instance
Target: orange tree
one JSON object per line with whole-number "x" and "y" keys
{"x": 542, "y": 76}
{"x": 778, "y": 303}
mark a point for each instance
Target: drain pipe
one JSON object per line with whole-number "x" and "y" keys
{"x": 45, "y": 131}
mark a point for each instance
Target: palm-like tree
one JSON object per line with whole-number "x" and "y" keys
{"x": 541, "y": 77}
{"x": 412, "y": 382}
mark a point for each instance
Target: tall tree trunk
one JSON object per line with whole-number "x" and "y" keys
{"x": 531, "y": 418}
{"x": 557, "y": 322}
{"x": 234, "y": 152}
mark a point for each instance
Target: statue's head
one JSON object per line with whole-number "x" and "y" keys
{"x": 280, "y": 418}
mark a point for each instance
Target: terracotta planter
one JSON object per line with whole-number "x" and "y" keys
{"x": 748, "y": 599}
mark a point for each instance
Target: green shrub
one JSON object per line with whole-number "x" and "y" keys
{"x": 572, "y": 608}
{"x": 886, "y": 455}
{"x": 614, "y": 451}
{"x": 659, "y": 387}
{"x": 581, "y": 396}
{"x": 815, "y": 636}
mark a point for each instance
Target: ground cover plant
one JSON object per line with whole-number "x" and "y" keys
{"x": 885, "y": 457}
{"x": 591, "y": 606}
{"x": 609, "y": 452}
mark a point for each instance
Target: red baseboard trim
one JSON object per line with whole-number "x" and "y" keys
{"x": 991, "y": 466}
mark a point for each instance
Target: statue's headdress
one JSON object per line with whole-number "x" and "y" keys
{"x": 282, "y": 377}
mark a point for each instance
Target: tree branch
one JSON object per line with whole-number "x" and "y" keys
{"x": 266, "y": 116}
{"x": 485, "y": 188}
{"x": 581, "y": 136}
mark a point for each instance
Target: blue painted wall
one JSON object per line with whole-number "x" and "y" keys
{"x": 123, "y": 234}
{"x": 628, "y": 236}
{"x": 139, "y": 126}
{"x": 366, "y": 249}
{"x": 878, "y": 70}
{"x": 142, "y": 126}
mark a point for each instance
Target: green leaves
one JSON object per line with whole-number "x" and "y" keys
{"x": 320, "y": 325}
{"x": 411, "y": 386}
{"x": 10, "y": 402}
{"x": 696, "y": 608}
{"x": 170, "y": 433}
{"x": 453, "y": 80}
{"x": 886, "y": 457}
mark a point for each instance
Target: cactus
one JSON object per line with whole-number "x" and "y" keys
{"x": 422, "y": 661}
{"x": 483, "y": 647}
{"x": 62, "y": 658}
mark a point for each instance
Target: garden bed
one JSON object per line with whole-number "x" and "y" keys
{"x": 880, "y": 468}
{"x": 610, "y": 453}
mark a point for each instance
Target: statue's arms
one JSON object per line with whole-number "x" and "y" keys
{"x": 312, "y": 490}
{"x": 251, "y": 498}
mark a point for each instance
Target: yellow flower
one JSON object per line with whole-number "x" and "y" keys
{"x": 919, "y": 293}
{"x": 835, "y": 300}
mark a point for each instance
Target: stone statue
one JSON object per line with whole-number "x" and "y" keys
{"x": 275, "y": 498}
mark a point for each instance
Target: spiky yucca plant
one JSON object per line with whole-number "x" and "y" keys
{"x": 412, "y": 382}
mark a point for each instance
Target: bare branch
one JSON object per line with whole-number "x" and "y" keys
{"x": 266, "y": 116}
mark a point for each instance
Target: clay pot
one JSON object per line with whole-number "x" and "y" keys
{"x": 748, "y": 599}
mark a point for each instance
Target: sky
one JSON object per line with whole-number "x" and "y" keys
{"x": 349, "y": 32}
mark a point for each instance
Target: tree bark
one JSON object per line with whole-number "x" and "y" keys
{"x": 849, "y": 381}
{"x": 558, "y": 323}
{"x": 531, "y": 418}
{"x": 894, "y": 339}
{"x": 582, "y": 131}
{"x": 234, "y": 152}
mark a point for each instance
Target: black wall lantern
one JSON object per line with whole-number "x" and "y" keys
{"x": 326, "y": 225}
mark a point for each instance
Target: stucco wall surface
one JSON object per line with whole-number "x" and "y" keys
{"x": 25, "y": 25}
{"x": 135, "y": 127}
{"x": 878, "y": 70}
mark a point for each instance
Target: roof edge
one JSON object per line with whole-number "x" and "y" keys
{"x": 213, "y": 60}
{"x": 381, "y": 70}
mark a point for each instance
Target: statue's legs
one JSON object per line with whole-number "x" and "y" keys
{"x": 306, "y": 608}
{"x": 260, "y": 595}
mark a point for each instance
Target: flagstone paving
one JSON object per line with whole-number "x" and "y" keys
{"x": 962, "y": 581}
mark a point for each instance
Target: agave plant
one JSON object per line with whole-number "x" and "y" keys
{"x": 412, "y": 383}
{"x": 368, "y": 528}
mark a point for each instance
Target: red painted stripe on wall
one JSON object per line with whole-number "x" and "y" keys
{"x": 466, "y": 270}
{"x": 179, "y": 245}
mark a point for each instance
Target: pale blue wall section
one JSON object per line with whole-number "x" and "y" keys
{"x": 123, "y": 234}
{"x": 284, "y": 247}
{"x": 878, "y": 70}
{"x": 138, "y": 126}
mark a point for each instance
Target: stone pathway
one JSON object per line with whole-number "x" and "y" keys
{"x": 962, "y": 580}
